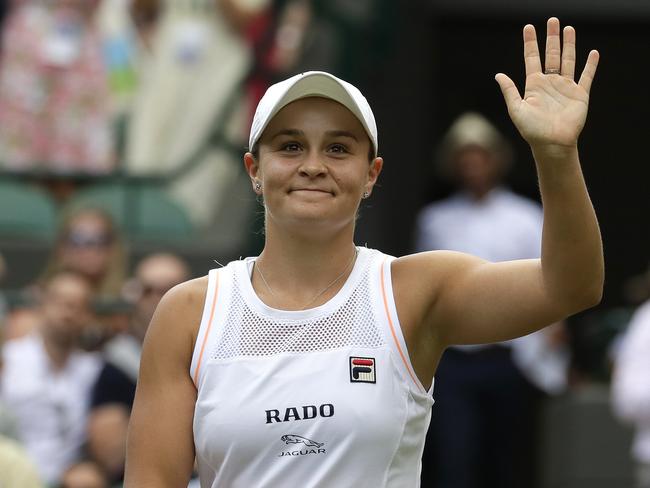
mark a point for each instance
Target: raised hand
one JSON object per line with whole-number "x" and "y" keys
{"x": 553, "y": 110}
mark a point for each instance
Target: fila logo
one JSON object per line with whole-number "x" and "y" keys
{"x": 362, "y": 370}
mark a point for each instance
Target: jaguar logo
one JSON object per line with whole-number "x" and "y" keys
{"x": 297, "y": 439}
{"x": 309, "y": 447}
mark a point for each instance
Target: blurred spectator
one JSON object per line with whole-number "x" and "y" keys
{"x": 20, "y": 322}
{"x": 89, "y": 243}
{"x": 16, "y": 470}
{"x": 145, "y": 14}
{"x": 303, "y": 41}
{"x": 154, "y": 275}
{"x": 338, "y": 36}
{"x": 114, "y": 391}
{"x": 126, "y": 28}
{"x": 189, "y": 91}
{"x": 54, "y": 112}
{"x": 113, "y": 318}
{"x": 636, "y": 290}
{"x": 47, "y": 380}
{"x": 84, "y": 474}
{"x": 483, "y": 425}
{"x": 107, "y": 430}
{"x": 121, "y": 46}
{"x": 631, "y": 388}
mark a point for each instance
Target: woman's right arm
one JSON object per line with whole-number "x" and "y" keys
{"x": 160, "y": 446}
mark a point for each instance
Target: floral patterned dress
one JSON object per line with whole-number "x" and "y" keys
{"x": 54, "y": 95}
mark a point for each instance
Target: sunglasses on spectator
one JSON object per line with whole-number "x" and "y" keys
{"x": 81, "y": 239}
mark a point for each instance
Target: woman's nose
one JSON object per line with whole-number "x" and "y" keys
{"x": 312, "y": 166}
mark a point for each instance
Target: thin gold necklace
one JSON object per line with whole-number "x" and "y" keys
{"x": 332, "y": 283}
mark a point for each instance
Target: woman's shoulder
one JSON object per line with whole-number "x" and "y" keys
{"x": 190, "y": 290}
{"x": 181, "y": 308}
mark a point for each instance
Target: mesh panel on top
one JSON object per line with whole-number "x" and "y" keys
{"x": 248, "y": 333}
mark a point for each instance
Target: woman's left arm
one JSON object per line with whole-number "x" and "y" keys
{"x": 461, "y": 299}
{"x": 550, "y": 117}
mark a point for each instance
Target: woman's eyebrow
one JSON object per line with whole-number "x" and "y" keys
{"x": 288, "y": 132}
{"x": 300, "y": 133}
{"x": 341, "y": 133}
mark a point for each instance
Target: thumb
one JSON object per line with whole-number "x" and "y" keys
{"x": 508, "y": 90}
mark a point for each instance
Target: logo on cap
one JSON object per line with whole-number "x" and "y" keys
{"x": 362, "y": 370}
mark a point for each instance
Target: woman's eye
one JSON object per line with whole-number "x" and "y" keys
{"x": 338, "y": 148}
{"x": 291, "y": 146}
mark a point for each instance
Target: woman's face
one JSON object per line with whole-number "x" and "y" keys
{"x": 87, "y": 246}
{"x": 313, "y": 165}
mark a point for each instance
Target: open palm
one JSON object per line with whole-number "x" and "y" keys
{"x": 554, "y": 107}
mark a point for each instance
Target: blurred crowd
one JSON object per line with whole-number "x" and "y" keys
{"x": 71, "y": 354}
{"x": 164, "y": 89}
{"x": 157, "y": 89}
{"x": 94, "y": 92}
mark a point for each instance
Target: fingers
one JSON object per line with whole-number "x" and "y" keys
{"x": 509, "y": 90}
{"x": 560, "y": 58}
{"x": 553, "y": 55}
{"x": 569, "y": 53}
{"x": 560, "y": 55}
{"x": 587, "y": 76}
{"x": 531, "y": 51}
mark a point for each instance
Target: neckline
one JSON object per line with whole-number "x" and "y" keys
{"x": 256, "y": 303}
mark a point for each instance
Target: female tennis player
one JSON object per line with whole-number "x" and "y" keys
{"x": 312, "y": 365}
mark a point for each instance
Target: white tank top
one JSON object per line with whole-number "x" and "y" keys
{"x": 324, "y": 397}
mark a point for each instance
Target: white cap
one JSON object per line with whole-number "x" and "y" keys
{"x": 312, "y": 84}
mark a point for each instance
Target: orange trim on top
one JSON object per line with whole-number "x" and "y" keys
{"x": 392, "y": 328}
{"x": 207, "y": 332}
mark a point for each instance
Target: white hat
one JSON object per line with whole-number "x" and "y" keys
{"x": 312, "y": 84}
{"x": 472, "y": 129}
